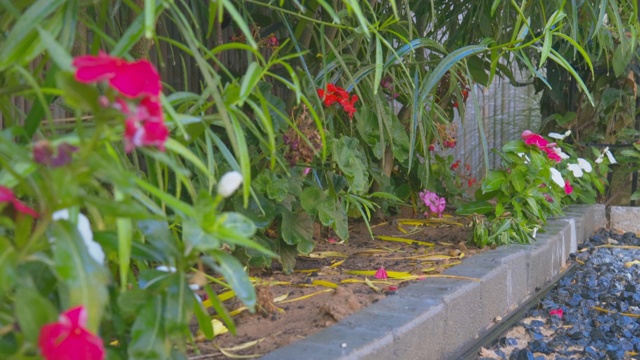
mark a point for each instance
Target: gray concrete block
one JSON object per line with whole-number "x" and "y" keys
{"x": 492, "y": 275}
{"x": 625, "y": 218}
{"x": 540, "y": 258}
{"x": 419, "y": 338}
{"x": 516, "y": 259}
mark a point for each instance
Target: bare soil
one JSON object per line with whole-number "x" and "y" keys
{"x": 328, "y": 285}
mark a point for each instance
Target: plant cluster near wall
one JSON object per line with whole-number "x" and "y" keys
{"x": 150, "y": 148}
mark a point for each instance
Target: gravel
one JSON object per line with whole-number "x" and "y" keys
{"x": 592, "y": 313}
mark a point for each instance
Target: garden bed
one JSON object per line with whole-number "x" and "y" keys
{"x": 338, "y": 279}
{"x": 432, "y": 318}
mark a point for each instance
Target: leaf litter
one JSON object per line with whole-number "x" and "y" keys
{"x": 334, "y": 281}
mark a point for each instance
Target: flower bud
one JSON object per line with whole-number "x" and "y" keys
{"x": 229, "y": 183}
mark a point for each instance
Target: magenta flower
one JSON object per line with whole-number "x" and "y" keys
{"x": 7, "y": 196}
{"x": 568, "y": 189}
{"x": 44, "y": 153}
{"x": 131, "y": 79}
{"x": 381, "y": 274}
{"x": 434, "y": 202}
{"x": 68, "y": 339}
{"x": 530, "y": 138}
{"x": 144, "y": 133}
{"x": 556, "y": 312}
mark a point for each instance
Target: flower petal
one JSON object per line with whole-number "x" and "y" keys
{"x": 229, "y": 183}
{"x": 585, "y": 165}
{"x": 557, "y": 177}
{"x": 381, "y": 274}
{"x": 139, "y": 78}
{"x": 576, "y": 169}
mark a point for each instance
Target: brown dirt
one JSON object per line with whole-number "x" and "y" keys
{"x": 282, "y": 318}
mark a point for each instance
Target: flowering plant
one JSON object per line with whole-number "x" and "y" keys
{"x": 536, "y": 179}
{"x": 76, "y": 212}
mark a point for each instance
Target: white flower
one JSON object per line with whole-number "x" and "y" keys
{"x": 612, "y": 160}
{"x": 560, "y": 153}
{"x": 560, "y": 136}
{"x": 584, "y": 165}
{"x": 196, "y": 287}
{"x": 84, "y": 229}
{"x": 229, "y": 183}
{"x": 526, "y": 158}
{"x": 534, "y": 232}
{"x": 576, "y": 169}
{"x": 557, "y": 177}
{"x": 604, "y": 152}
{"x": 169, "y": 269}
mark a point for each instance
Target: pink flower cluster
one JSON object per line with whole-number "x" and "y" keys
{"x": 335, "y": 94}
{"x": 553, "y": 152}
{"x": 137, "y": 80}
{"x": 434, "y": 202}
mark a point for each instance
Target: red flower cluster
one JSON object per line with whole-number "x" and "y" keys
{"x": 69, "y": 339}
{"x": 542, "y": 144}
{"x": 144, "y": 125}
{"x": 335, "y": 94}
{"x": 471, "y": 181}
{"x": 449, "y": 143}
{"x": 455, "y": 165}
{"x": 7, "y": 196}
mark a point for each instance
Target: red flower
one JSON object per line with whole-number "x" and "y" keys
{"x": 131, "y": 79}
{"x": 68, "y": 339}
{"x": 455, "y": 165}
{"x": 556, "y": 312}
{"x": 568, "y": 189}
{"x": 381, "y": 274}
{"x": 431, "y": 147}
{"x": 335, "y": 94}
{"x": 7, "y": 196}
{"x": 471, "y": 181}
{"x": 552, "y": 154}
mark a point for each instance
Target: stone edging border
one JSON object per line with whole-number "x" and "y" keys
{"x": 436, "y": 318}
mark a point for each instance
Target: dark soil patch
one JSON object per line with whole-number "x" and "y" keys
{"x": 334, "y": 292}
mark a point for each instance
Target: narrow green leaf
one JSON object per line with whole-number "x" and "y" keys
{"x": 235, "y": 275}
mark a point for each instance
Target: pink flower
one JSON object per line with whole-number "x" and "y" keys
{"x": 7, "y": 196}
{"x": 144, "y": 133}
{"x": 131, "y": 79}
{"x": 534, "y": 139}
{"x": 68, "y": 339}
{"x": 568, "y": 189}
{"x": 381, "y": 274}
{"x": 435, "y": 203}
{"x": 556, "y": 312}
{"x": 548, "y": 197}
{"x": 44, "y": 153}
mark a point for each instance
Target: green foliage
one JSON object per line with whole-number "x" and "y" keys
{"x": 515, "y": 200}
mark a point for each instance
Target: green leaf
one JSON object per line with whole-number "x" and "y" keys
{"x": 235, "y": 275}
{"x": 23, "y": 32}
{"x": 517, "y": 180}
{"x": 444, "y": 65}
{"x": 621, "y": 58}
{"x": 288, "y": 255}
{"x": 493, "y": 181}
{"x": 352, "y": 161}
{"x": 195, "y": 237}
{"x": 238, "y": 223}
{"x": 33, "y": 311}
{"x": 158, "y": 234}
{"x": 76, "y": 95}
{"x": 249, "y": 81}
{"x": 58, "y": 54}
{"x": 177, "y": 304}
{"x": 148, "y": 340}
{"x": 476, "y": 207}
{"x": 515, "y": 146}
{"x": 221, "y": 311}
{"x": 84, "y": 281}
{"x": 296, "y": 227}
